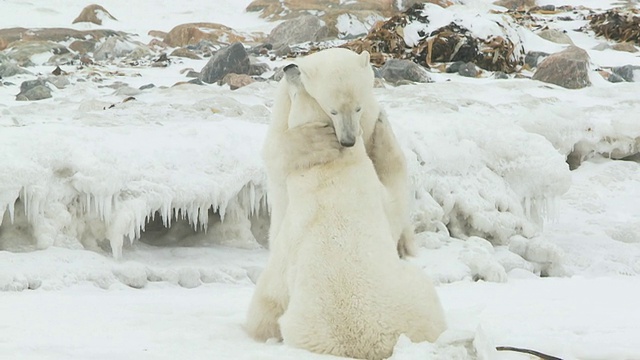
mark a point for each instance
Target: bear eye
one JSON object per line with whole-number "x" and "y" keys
{"x": 333, "y": 112}
{"x": 358, "y": 109}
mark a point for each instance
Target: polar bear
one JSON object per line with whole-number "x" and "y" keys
{"x": 340, "y": 85}
{"x": 333, "y": 283}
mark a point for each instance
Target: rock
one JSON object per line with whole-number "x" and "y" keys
{"x": 468, "y": 70}
{"x": 22, "y": 52}
{"x": 533, "y": 58}
{"x": 611, "y": 77}
{"x": 185, "y": 53}
{"x": 568, "y": 68}
{"x": 625, "y": 46}
{"x": 33, "y": 90}
{"x": 500, "y": 75}
{"x": 118, "y": 47}
{"x": 257, "y": 68}
{"x": 83, "y": 46}
{"x": 404, "y": 5}
{"x": 454, "y": 67}
{"x": 516, "y": 4}
{"x": 298, "y": 30}
{"x": 287, "y": 9}
{"x": 231, "y": 59}
{"x": 627, "y": 72}
{"x": 8, "y": 69}
{"x": 157, "y": 34}
{"x": 147, "y": 86}
{"x": 556, "y": 36}
{"x": 236, "y": 81}
{"x": 93, "y": 14}
{"x": 55, "y": 35}
{"x": 395, "y": 71}
{"x": 193, "y": 33}
{"x": 59, "y": 81}
{"x": 602, "y": 46}
{"x": 192, "y": 74}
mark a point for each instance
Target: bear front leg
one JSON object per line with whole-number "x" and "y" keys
{"x": 309, "y": 145}
{"x": 265, "y": 308}
{"x": 391, "y": 167}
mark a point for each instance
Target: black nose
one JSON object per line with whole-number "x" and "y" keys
{"x": 348, "y": 143}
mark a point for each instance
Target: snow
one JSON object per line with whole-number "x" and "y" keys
{"x": 494, "y": 202}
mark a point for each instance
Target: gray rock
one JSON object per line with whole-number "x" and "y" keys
{"x": 568, "y": 68}
{"x": 230, "y": 59}
{"x": 297, "y": 30}
{"x": 454, "y": 67}
{"x": 118, "y": 47}
{"x": 22, "y": 51}
{"x": 500, "y": 75}
{"x": 32, "y": 90}
{"x": 8, "y": 69}
{"x": 59, "y": 81}
{"x": 468, "y": 70}
{"x": 556, "y": 36}
{"x": 615, "y": 78}
{"x": 627, "y": 72}
{"x": 147, "y": 86}
{"x": 258, "y": 68}
{"x": 396, "y": 71}
{"x": 533, "y": 58}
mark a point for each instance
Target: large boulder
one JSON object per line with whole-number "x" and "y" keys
{"x": 194, "y": 33}
{"x": 399, "y": 71}
{"x": 298, "y": 30}
{"x": 93, "y": 14}
{"x": 33, "y": 90}
{"x": 22, "y": 51}
{"x": 568, "y": 68}
{"x": 231, "y": 59}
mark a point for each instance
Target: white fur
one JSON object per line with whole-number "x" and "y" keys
{"x": 339, "y": 81}
{"x": 333, "y": 277}
{"x": 349, "y": 293}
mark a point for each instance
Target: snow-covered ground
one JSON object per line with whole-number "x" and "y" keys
{"x": 485, "y": 156}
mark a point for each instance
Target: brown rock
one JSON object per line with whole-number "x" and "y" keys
{"x": 285, "y": 9}
{"x": 52, "y": 34}
{"x": 94, "y": 14}
{"x": 625, "y": 46}
{"x": 83, "y": 46}
{"x": 193, "y": 33}
{"x": 236, "y": 81}
{"x": 568, "y": 68}
{"x": 157, "y": 34}
{"x": 185, "y": 53}
{"x": 516, "y": 4}
{"x": 3, "y": 44}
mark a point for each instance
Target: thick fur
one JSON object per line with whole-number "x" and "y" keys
{"x": 339, "y": 85}
{"x": 334, "y": 283}
{"x": 349, "y": 293}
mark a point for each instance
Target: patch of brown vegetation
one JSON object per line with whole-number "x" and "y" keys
{"x": 617, "y": 24}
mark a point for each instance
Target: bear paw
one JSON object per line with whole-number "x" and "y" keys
{"x": 309, "y": 145}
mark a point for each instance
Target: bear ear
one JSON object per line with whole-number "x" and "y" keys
{"x": 364, "y": 57}
{"x": 292, "y": 74}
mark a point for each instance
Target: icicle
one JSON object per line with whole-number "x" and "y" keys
{"x": 252, "y": 197}
{"x": 12, "y": 211}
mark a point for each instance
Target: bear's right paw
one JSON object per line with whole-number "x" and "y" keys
{"x": 310, "y": 144}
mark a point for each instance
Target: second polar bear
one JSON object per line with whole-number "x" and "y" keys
{"x": 349, "y": 293}
{"x": 340, "y": 87}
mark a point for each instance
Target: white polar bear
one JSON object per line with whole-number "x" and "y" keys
{"x": 333, "y": 283}
{"x": 340, "y": 85}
